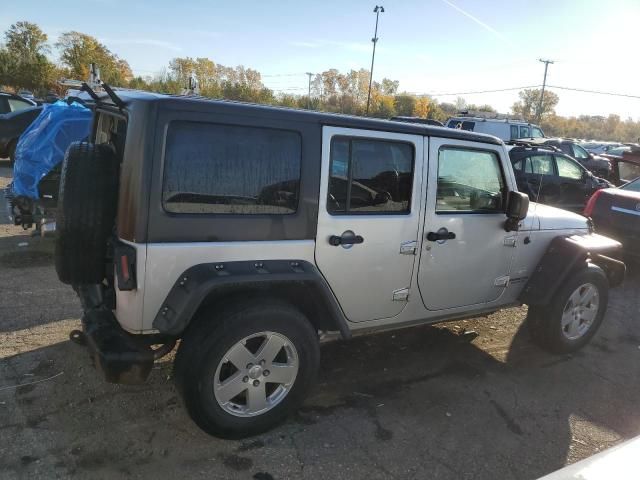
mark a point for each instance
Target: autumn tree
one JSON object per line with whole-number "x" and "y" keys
{"x": 529, "y": 104}
{"x": 79, "y": 50}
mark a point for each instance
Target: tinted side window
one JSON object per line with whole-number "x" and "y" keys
{"x": 568, "y": 169}
{"x": 370, "y": 176}
{"x": 211, "y": 168}
{"x": 468, "y": 126}
{"x": 469, "y": 181}
{"x": 524, "y": 132}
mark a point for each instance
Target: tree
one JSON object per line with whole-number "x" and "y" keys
{"x": 405, "y": 104}
{"x": 422, "y": 107}
{"x": 529, "y": 104}
{"x": 79, "y": 50}
{"x": 23, "y": 61}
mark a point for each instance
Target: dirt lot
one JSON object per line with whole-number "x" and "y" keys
{"x": 424, "y": 402}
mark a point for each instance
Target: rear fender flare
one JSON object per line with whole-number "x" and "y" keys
{"x": 200, "y": 282}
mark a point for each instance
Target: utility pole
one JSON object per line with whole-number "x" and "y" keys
{"x": 378, "y": 10}
{"x": 544, "y": 84}
{"x": 309, "y": 97}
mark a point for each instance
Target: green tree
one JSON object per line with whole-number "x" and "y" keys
{"x": 529, "y": 104}
{"x": 23, "y": 60}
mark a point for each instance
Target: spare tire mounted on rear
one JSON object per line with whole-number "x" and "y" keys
{"x": 86, "y": 212}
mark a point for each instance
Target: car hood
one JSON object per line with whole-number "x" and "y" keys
{"x": 545, "y": 217}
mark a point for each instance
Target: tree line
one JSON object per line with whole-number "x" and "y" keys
{"x": 26, "y": 63}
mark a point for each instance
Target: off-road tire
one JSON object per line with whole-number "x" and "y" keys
{"x": 544, "y": 322}
{"x": 210, "y": 336}
{"x": 85, "y": 216}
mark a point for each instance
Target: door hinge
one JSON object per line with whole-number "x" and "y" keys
{"x": 401, "y": 295}
{"x": 502, "y": 281}
{"x": 510, "y": 241}
{"x": 409, "y": 248}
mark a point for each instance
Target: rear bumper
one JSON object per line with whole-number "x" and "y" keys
{"x": 119, "y": 356}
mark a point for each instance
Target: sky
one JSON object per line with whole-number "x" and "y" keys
{"x": 432, "y": 47}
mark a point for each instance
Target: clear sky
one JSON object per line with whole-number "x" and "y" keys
{"x": 430, "y": 46}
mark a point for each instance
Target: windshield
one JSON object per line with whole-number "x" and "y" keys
{"x": 536, "y": 132}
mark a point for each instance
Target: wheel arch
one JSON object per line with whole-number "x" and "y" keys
{"x": 565, "y": 256}
{"x": 213, "y": 285}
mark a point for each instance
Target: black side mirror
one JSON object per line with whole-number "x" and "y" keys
{"x": 517, "y": 209}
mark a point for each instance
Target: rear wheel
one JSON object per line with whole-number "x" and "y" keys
{"x": 243, "y": 370}
{"x": 575, "y": 313}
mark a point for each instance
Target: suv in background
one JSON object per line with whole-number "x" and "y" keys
{"x": 504, "y": 129}
{"x": 247, "y": 230}
{"x": 596, "y": 164}
{"x": 553, "y": 178}
{"x": 12, "y": 103}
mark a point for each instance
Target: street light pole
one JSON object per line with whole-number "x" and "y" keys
{"x": 544, "y": 84}
{"x": 309, "y": 97}
{"x": 378, "y": 10}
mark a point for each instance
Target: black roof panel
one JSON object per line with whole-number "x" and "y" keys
{"x": 180, "y": 102}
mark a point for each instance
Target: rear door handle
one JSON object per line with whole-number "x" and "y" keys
{"x": 442, "y": 234}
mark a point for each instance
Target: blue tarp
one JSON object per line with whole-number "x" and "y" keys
{"x": 43, "y": 144}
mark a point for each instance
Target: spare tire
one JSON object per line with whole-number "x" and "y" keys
{"x": 85, "y": 217}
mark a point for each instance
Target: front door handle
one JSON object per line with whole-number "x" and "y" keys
{"x": 440, "y": 235}
{"x": 347, "y": 239}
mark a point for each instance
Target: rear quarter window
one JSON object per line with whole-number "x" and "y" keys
{"x": 230, "y": 169}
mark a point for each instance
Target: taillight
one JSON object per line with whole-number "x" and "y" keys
{"x": 125, "y": 261}
{"x": 591, "y": 204}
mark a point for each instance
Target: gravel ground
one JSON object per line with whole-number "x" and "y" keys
{"x": 425, "y": 402}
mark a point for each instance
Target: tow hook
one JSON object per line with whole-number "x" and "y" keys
{"x": 78, "y": 337}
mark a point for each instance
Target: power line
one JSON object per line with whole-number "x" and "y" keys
{"x": 476, "y": 92}
{"x": 626, "y": 95}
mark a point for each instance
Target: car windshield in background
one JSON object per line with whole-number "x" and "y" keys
{"x": 618, "y": 151}
{"x": 633, "y": 186}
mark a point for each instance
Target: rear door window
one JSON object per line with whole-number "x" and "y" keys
{"x": 230, "y": 169}
{"x": 370, "y": 176}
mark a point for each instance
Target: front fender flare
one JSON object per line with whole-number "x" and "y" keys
{"x": 566, "y": 254}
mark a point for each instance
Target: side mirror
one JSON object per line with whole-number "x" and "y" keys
{"x": 517, "y": 209}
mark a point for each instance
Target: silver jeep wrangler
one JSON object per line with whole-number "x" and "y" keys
{"x": 246, "y": 231}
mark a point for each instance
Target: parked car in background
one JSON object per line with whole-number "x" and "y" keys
{"x": 553, "y": 178}
{"x": 625, "y": 163}
{"x": 596, "y": 164}
{"x": 27, "y": 94}
{"x": 11, "y": 127}
{"x": 616, "y": 212}
{"x": 598, "y": 148}
{"x": 12, "y": 103}
{"x": 504, "y": 129}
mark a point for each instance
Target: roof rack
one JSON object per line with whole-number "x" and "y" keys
{"x": 532, "y": 145}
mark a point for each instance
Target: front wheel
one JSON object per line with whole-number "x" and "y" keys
{"x": 575, "y": 313}
{"x": 243, "y": 370}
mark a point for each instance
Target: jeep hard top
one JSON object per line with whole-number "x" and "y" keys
{"x": 246, "y": 231}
